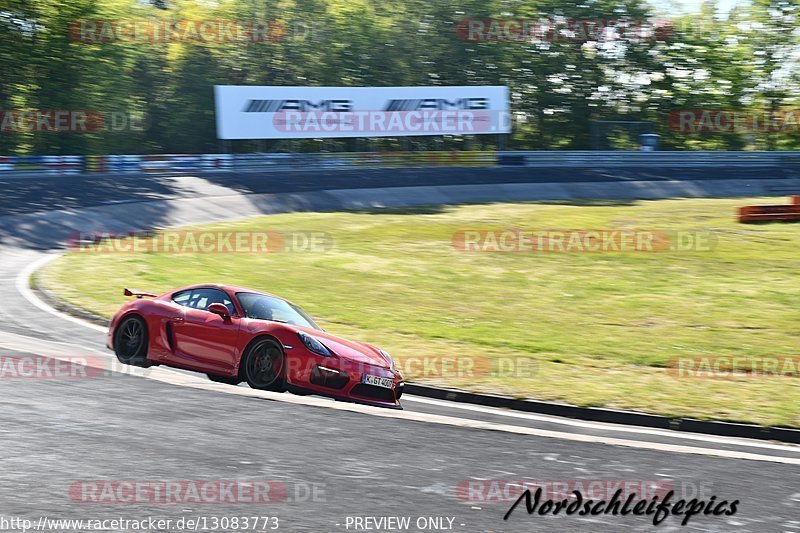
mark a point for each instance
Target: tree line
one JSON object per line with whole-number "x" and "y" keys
{"x": 139, "y": 89}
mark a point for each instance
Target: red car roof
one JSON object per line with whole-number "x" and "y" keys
{"x": 229, "y": 288}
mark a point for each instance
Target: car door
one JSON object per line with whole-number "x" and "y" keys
{"x": 205, "y": 340}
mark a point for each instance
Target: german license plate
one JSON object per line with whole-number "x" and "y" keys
{"x": 378, "y": 381}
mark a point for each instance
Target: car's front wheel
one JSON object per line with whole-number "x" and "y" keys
{"x": 130, "y": 342}
{"x": 263, "y": 365}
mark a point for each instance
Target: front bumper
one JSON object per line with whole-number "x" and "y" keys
{"x": 343, "y": 380}
{"x": 339, "y": 398}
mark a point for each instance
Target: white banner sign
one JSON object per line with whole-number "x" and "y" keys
{"x": 254, "y": 112}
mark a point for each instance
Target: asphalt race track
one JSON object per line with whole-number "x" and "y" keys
{"x": 23, "y": 195}
{"x": 326, "y": 462}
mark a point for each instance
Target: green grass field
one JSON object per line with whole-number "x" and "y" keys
{"x": 599, "y": 327}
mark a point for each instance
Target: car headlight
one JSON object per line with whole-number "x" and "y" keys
{"x": 388, "y": 358}
{"x": 314, "y": 344}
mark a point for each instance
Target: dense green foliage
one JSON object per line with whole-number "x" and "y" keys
{"x": 744, "y": 61}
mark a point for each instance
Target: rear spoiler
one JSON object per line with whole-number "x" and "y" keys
{"x": 138, "y": 294}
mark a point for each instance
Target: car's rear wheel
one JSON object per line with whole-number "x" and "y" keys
{"x": 228, "y": 380}
{"x": 263, "y": 365}
{"x": 131, "y": 341}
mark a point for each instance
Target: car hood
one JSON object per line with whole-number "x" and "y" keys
{"x": 359, "y": 352}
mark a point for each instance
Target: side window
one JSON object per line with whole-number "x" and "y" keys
{"x": 182, "y": 298}
{"x": 202, "y": 298}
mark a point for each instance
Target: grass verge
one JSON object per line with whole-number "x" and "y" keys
{"x": 598, "y": 329}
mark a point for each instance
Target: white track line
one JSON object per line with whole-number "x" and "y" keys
{"x": 187, "y": 380}
{"x": 22, "y": 283}
{"x": 194, "y": 382}
{"x": 602, "y": 426}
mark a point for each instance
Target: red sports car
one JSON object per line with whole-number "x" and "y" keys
{"x": 235, "y": 334}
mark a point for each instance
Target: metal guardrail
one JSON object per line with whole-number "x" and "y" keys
{"x": 332, "y": 161}
{"x": 39, "y": 164}
{"x": 583, "y": 159}
{"x": 23, "y": 166}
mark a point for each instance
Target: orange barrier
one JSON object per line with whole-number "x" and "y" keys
{"x": 768, "y": 213}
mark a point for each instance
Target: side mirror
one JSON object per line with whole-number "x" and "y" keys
{"x": 219, "y": 309}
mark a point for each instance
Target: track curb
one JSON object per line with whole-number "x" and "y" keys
{"x": 593, "y": 414}
{"x": 612, "y": 416}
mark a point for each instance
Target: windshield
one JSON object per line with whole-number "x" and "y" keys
{"x": 264, "y": 307}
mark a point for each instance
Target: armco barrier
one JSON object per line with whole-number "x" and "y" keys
{"x": 64, "y": 164}
{"x": 338, "y": 160}
{"x": 126, "y": 164}
{"x": 186, "y": 162}
{"x": 579, "y": 159}
{"x": 171, "y": 163}
{"x": 433, "y": 159}
{"x": 95, "y": 163}
{"x": 29, "y": 162}
{"x": 154, "y": 164}
{"x": 428, "y": 159}
{"x": 217, "y": 162}
{"x": 506, "y": 159}
{"x": 197, "y": 163}
{"x": 256, "y": 162}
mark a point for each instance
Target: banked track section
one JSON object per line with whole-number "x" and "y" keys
{"x": 503, "y": 445}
